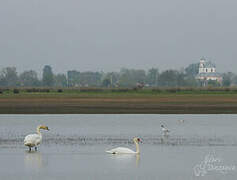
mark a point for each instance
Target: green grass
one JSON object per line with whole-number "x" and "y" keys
{"x": 102, "y": 92}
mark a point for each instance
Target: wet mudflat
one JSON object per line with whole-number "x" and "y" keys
{"x": 198, "y": 147}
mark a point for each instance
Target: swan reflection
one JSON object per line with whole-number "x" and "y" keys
{"x": 33, "y": 160}
{"x": 126, "y": 158}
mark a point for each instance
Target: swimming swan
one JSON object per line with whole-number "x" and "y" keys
{"x": 33, "y": 140}
{"x": 123, "y": 150}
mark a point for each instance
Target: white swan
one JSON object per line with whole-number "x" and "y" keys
{"x": 123, "y": 150}
{"x": 33, "y": 140}
{"x": 165, "y": 131}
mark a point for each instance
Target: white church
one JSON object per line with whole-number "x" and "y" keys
{"x": 207, "y": 71}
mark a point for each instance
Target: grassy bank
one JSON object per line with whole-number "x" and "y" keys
{"x": 128, "y": 101}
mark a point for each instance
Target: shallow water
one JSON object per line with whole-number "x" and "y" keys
{"x": 74, "y": 148}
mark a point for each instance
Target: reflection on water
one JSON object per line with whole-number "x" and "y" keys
{"x": 137, "y": 159}
{"x": 33, "y": 160}
{"x": 126, "y": 158}
{"x": 164, "y": 139}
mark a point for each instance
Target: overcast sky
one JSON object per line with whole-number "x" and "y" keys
{"x": 110, "y": 34}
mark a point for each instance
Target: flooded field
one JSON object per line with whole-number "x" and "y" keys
{"x": 198, "y": 147}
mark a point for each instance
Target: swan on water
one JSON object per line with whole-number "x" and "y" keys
{"x": 123, "y": 150}
{"x": 33, "y": 140}
{"x": 164, "y": 130}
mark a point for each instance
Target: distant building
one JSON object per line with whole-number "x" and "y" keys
{"x": 73, "y": 78}
{"x": 207, "y": 71}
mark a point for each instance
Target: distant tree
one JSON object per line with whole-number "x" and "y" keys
{"x": 29, "y": 78}
{"x": 152, "y": 76}
{"x": 111, "y": 78}
{"x": 3, "y": 81}
{"x": 234, "y": 80}
{"x": 90, "y": 78}
{"x": 227, "y": 79}
{"x": 213, "y": 83}
{"x": 169, "y": 78}
{"x": 106, "y": 82}
{"x": 130, "y": 77}
{"x": 9, "y": 77}
{"x": 174, "y": 78}
{"x": 60, "y": 80}
{"x": 192, "y": 69}
{"x": 180, "y": 79}
{"x": 48, "y": 78}
{"x": 191, "y": 81}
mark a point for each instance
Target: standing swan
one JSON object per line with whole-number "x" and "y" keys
{"x": 33, "y": 140}
{"x": 123, "y": 150}
{"x": 165, "y": 131}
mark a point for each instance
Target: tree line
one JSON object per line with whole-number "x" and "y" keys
{"x": 9, "y": 77}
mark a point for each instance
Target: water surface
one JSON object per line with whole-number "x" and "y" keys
{"x": 74, "y": 148}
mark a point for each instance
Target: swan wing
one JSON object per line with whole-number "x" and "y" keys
{"x": 121, "y": 150}
{"x": 32, "y": 140}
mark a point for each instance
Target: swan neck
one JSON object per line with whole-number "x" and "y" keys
{"x": 38, "y": 130}
{"x": 137, "y": 147}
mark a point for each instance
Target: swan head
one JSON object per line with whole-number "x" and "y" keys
{"x": 44, "y": 127}
{"x": 136, "y": 139}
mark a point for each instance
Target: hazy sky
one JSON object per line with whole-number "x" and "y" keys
{"x": 109, "y": 34}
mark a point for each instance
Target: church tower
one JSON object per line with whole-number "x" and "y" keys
{"x": 202, "y": 65}
{"x": 207, "y": 71}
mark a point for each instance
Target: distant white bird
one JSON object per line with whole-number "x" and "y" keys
{"x": 123, "y": 150}
{"x": 33, "y": 140}
{"x": 181, "y": 121}
{"x": 165, "y": 131}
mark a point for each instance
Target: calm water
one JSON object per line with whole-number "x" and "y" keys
{"x": 74, "y": 148}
